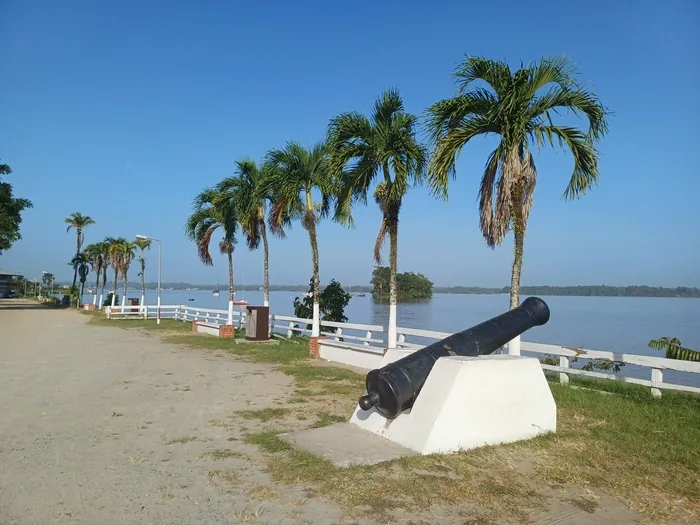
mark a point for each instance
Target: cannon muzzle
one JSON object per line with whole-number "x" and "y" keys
{"x": 395, "y": 387}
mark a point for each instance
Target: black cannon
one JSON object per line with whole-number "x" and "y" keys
{"x": 395, "y": 387}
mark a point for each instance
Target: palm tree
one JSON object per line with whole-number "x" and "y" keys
{"x": 215, "y": 210}
{"x": 519, "y": 107}
{"x": 95, "y": 254}
{"x": 674, "y": 350}
{"x": 383, "y": 145}
{"x": 106, "y": 262}
{"x": 121, "y": 253}
{"x": 79, "y": 261}
{"x": 295, "y": 173}
{"x": 78, "y": 222}
{"x": 142, "y": 244}
{"x": 251, "y": 199}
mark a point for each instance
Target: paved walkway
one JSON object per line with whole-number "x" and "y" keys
{"x": 101, "y": 425}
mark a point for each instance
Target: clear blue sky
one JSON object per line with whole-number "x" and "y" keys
{"x": 125, "y": 110}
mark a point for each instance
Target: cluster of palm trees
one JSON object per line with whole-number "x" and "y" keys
{"x": 117, "y": 253}
{"x": 296, "y": 183}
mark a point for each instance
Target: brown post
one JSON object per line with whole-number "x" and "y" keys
{"x": 227, "y": 330}
{"x": 194, "y": 327}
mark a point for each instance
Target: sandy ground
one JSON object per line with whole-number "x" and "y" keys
{"x": 101, "y": 425}
{"x": 88, "y": 417}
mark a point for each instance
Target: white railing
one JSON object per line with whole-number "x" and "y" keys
{"x": 567, "y": 354}
{"x": 360, "y": 339}
{"x": 290, "y": 326}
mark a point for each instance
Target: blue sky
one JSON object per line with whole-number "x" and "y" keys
{"x": 125, "y": 110}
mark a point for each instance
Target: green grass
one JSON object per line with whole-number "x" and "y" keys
{"x": 264, "y": 414}
{"x": 611, "y": 436}
{"x": 166, "y": 325}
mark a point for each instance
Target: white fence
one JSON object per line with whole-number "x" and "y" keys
{"x": 359, "y": 345}
{"x": 655, "y": 366}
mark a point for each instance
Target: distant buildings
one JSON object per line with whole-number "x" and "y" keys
{"x": 6, "y": 279}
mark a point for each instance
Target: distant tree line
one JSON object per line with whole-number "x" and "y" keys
{"x": 409, "y": 285}
{"x": 581, "y": 291}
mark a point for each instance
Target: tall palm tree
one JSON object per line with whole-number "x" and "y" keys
{"x": 78, "y": 222}
{"x": 106, "y": 262}
{"x": 385, "y": 146}
{"x": 121, "y": 253}
{"x": 142, "y": 244}
{"x": 520, "y": 108}
{"x": 79, "y": 261}
{"x": 95, "y": 254}
{"x": 295, "y": 173}
{"x": 215, "y": 210}
{"x": 252, "y": 199}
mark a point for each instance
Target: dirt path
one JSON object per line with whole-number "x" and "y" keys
{"x": 105, "y": 425}
{"x": 112, "y": 426}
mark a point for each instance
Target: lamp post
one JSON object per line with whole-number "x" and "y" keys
{"x": 147, "y": 238}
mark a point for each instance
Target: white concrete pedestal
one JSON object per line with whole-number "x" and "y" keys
{"x": 468, "y": 402}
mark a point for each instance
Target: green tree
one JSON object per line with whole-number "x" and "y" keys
{"x": 520, "y": 108}
{"x": 143, "y": 245}
{"x": 215, "y": 210}
{"x": 384, "y": 145}
{"x": 79, "y": 259}
{"x": 78, "y": 222}
{"x": 295, "y": 174}
{"x": 674, "y": 350}
{"x": 47, "y": 279}
{"x": 410, "y": 285}
{"x": 332, "y": 302}
{"x": 121, "y": 253}
{"x": 11, "y": 209}
{"x": 252, "y": 199}
{"x": 95, "y": 254}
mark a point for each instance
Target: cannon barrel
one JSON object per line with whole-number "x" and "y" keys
{"x": 395, "y": 387}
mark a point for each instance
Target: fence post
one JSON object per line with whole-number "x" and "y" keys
{"x": 657, "y": 376}
{"x": 402, "y": 340}
{"x": 109, "y": 312}
{"x": 196, "y": 315}
{"x": 368, "y": 336}
{"x": 290, "y": 332}
{"x": 563, "y": 363}
{"x": 338, "y": 333}
{"x": 145, "y": 311}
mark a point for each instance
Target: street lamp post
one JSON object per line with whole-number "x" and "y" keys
{"x": 147, "y": 238}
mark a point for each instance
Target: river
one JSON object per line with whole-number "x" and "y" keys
{"x": 621, "y": 324}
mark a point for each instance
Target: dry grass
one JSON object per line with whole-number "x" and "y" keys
{"x": 182, "y": 440}
{"x": 640, "y": 450}
{"x": 263, "y": 414}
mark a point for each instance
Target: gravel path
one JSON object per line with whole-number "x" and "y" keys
{"x": 106, "y": 425}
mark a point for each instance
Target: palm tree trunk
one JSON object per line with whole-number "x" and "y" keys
{"x": 125, "y": 283}
{"x": 143, "y": 280}
{"x": 114, "y": 292}
{"x": 104, "y": 283}
{"x": 316, "y": 322}
{"x": 266, "y": 278}
{"x": 231, "y": 286}
{"x": 519, "y": 240}
{"x": 77, "y": 251}
{"x": 393, "y": 263}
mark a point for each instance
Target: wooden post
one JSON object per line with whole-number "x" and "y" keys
{"x": 290, "y": 332}
{"x": 145, "y": 312}
{"x": 338, "y": 333}
{"x": 563, "y": 363}
{"x": 402, "y": 340}
{"x": 657, "y": 376}
{"x": 368, "y": 336}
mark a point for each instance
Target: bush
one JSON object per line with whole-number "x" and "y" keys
{"x": 332, "y": 302}
{"x": 108, "y": 300}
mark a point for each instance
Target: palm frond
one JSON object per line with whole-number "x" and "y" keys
{"x": 495, "y": 73}
{"x": 674, "y": 350}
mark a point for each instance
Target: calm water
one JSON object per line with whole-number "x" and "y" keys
{"x": 623, "y": 324}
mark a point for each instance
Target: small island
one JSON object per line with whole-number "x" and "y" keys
{"x": 410, "y": 285}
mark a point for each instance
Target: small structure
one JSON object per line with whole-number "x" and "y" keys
{"x": 257, "y": 324}
{"x": 7, "y": 277}
{"x": 217, "y": 330}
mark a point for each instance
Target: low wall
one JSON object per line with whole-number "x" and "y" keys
{"x": 361, "y": 356}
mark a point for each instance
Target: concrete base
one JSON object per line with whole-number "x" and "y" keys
{"x": 217, "y": 330}
{"x": 345, "y": 445}
{"x": 468, "y": 402}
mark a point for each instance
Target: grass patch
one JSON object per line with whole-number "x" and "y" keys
{"x": 324, "y": 419}
{"x": 226, "y": 453}
{"x": 224, "y": 475}
{"x": 264, "y": 414}
{"x": 166, "y": 325}
{"x": 182, "y": 440}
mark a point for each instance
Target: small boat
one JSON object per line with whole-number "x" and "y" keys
{"x": 216, "y": 293}
{"x": 190, "y": 299}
